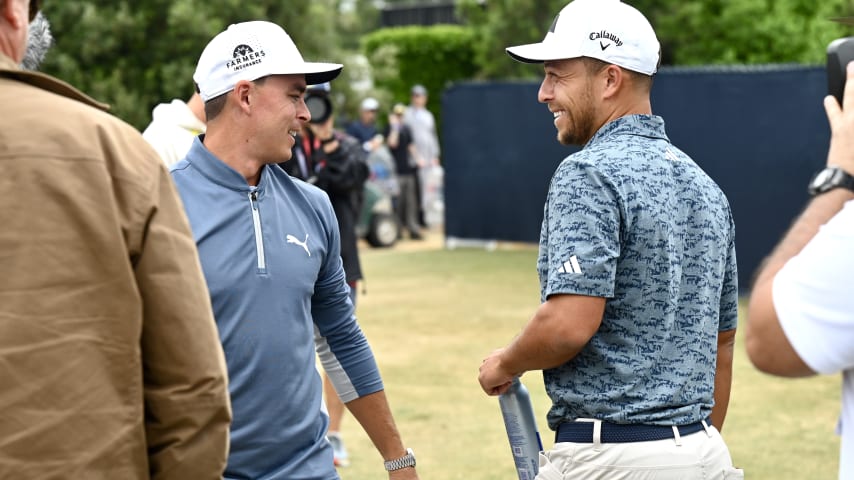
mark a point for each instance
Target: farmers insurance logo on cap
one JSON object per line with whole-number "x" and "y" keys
{"x": 608, "y": 30}
{"x": 244, "y": 57}
{"x": 252, "y": 50}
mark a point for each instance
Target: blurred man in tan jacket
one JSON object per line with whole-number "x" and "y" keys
{"x": 110, "y": 363}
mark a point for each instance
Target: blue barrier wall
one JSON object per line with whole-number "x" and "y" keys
{"x": 760, "y": 132}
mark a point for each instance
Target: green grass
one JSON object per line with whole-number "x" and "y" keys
{"x": 432, "y": 315}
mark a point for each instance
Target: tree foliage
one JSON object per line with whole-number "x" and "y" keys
{"x": 135, "y": 54}
{"x": 698, "y": 32}
{"x": 747, "y": 31}
{"x": 497, "y": 24}
{"x": 431, "y": 56}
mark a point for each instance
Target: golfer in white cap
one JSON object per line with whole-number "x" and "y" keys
{"x": 270, "y": 250}
{"x": 637, "y": 269}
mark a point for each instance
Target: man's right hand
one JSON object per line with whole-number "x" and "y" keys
{"x": 493, "y": 379}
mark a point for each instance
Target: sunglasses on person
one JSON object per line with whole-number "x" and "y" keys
{"x": 34, "y": 9}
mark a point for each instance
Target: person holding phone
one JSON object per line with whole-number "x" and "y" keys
{"x": 840, "y": 52}
{"x": 800, "y": 319}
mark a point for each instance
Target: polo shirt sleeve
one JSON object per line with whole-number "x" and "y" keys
{"x": 582, "y": 231}
{"x": 729, "y": 289}
{"x": 813, "y": 297}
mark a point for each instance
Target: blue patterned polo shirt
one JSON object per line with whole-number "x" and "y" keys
{"x": 633, "y": 219}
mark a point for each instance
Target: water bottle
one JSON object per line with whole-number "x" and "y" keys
{"x": 521, "y": 425}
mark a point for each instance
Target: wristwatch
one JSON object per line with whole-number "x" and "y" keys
{"x": 405, "y": 461}
{"x": 830, "y": 178}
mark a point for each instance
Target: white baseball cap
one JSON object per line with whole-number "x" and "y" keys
{"x": 370, "y": 103}
{"x": 608, "y": 30}
{"x": 249, "y": 51}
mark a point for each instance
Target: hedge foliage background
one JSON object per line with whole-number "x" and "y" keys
{"x": 135, "y": 54}
{"x": 431, "y": 56}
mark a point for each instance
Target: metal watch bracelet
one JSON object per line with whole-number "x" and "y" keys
{"x": 405, "y": 461}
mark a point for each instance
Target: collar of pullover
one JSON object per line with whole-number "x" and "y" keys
{"x": 217, "y": 171}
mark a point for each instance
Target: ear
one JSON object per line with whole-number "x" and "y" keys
{"x": 244, "y": 95}
{"x": 14, "y": 13}
{"x": 614, "y": 78}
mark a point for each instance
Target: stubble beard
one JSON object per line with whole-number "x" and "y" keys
{"x": 581, "y": 122}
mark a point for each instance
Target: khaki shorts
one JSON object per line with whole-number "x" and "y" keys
{"x": 701, "y": 455}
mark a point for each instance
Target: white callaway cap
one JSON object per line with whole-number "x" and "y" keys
{"x": 249, "y": 51}
{"x": 608, "y": 30}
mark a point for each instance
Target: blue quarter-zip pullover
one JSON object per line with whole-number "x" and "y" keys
{"x": 270, "y": 255}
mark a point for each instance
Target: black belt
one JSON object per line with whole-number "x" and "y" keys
{"x": 582, "y": 432}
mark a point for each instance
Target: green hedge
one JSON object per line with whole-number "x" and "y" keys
{"x": 433, "y": 56}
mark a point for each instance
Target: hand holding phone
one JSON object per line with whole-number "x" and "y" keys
{"x": 841, "y": 149}
{"x": 839, "y": 53}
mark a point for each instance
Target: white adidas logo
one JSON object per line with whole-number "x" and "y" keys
{"x": 295, "y": 241}
{"x": 570, "y": 266}
{"x": 668, "y": 154}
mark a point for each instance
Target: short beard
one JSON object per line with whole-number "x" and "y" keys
{"x": 581, "y": 122}
{"x": 39, "y": 41}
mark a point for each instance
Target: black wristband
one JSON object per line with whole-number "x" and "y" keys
{"x": 328, "y": 140}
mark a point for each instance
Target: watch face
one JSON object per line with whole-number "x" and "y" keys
{"x": 824, "y": 176}
{"x": 822, "y": 181}
{"x": 830, "y": 178}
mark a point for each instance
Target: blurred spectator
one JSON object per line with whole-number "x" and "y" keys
{"x": 174, "y": 126}
{"x": 364, "y": 129}
{"x": 423, "y": 126}
{"x": 429, "y": 171}
{"x": 800, "y": 319}
{"x": 399, "y": 139}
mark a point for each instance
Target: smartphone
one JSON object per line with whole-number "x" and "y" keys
{"x": 839, "y": 53}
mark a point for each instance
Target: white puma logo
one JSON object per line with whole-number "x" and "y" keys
{"x": 303, "y": 244}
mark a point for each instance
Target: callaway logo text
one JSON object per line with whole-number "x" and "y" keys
{"x": 608, "y": 36}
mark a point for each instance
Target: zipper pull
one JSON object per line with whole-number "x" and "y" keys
{"x": 253, "y": 199}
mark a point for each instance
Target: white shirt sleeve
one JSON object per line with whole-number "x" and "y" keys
{"x": 814, "y": 296}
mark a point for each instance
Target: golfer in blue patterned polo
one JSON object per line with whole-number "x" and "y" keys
{"x": 636, "y": 328}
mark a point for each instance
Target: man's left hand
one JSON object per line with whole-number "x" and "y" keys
{"x": 841, "y": 118}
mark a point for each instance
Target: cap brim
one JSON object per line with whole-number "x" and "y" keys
{"x": 317, "y": 73}
{"x": 538, "y": 52}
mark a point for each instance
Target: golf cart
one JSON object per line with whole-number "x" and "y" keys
{"x": 377, "y": 221}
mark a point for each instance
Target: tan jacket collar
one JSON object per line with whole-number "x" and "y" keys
{"x": 9, "y": 69}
